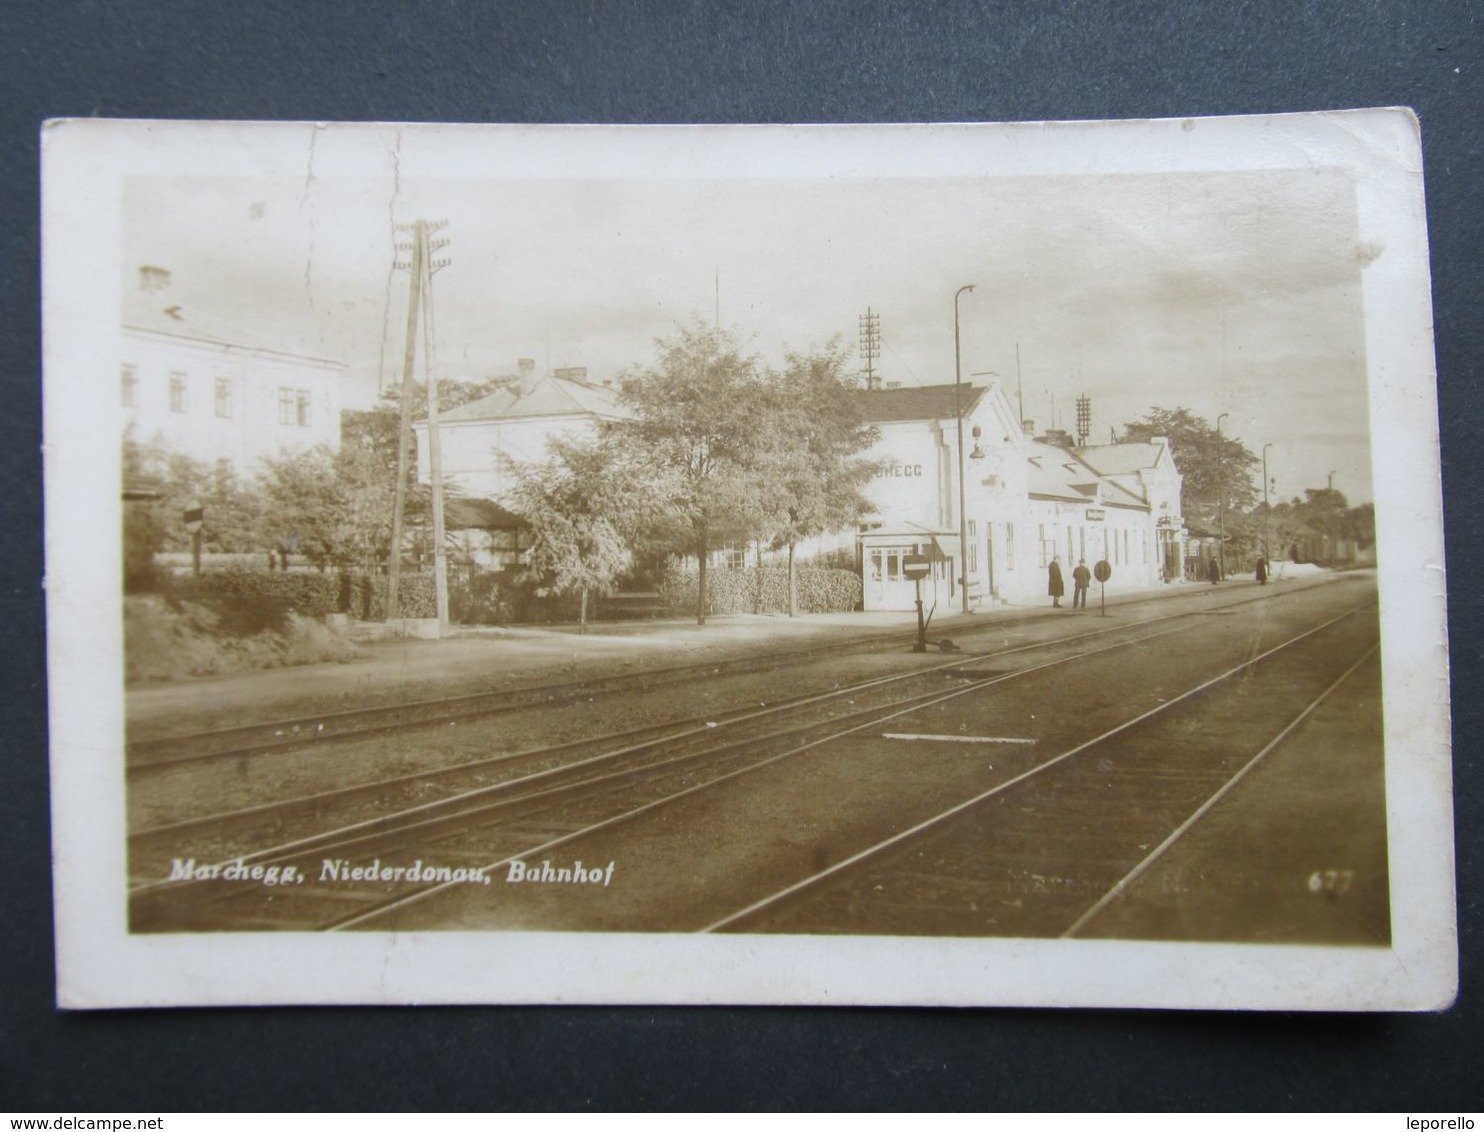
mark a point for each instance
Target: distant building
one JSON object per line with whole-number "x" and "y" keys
{"x": 482, "y": 441}
{"x": 209, "y": 393}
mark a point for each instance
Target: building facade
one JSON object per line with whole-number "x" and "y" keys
{"x": 480, "y": 443}
{"x": 205, "y": 393}
{"x": 1027, "y": 500}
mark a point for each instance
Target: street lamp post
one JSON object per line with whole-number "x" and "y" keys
{"x": 1267, "y": 510}
{"x": 1329, "y": 522}
{"x": 1220, "y": 501}
{"x": 958, "y": 412}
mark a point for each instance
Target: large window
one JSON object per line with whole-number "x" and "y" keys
{"x": 129, "y": 386}
{"x": 285, "y": 405}
{"x": 1009, "y": 546}
{"x": 301, "y": 408}
{"x": 178, "y": 391}
{"x": 224, "y": 396}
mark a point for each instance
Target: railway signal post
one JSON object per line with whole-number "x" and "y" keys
{"x": 1102, "y": 572}
{"x": 194, "y": 517}
{"x": 916, "y": 567}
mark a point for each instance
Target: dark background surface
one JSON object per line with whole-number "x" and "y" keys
{"x": 731, "y": 62}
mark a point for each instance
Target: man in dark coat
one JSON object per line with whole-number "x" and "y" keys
{"x": 1081, "y": 579}
{"x": 1054, "y": 585}
{"x": 1213, "y": 571}
{"x": 1262, "y": 570}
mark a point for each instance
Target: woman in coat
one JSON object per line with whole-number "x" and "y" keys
{"x": 1054, "y": 585}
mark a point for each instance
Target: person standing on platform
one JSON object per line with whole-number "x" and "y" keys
{"x": 1054, "y": 585}
{"x": 1262, "y": 570}
{"x": 1213, "y": 571}
{"x": 1081, "y": 579}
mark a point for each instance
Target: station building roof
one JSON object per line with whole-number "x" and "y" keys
{"x": 549, "y": 397}
{"x": 1063, "y": 474}
{"x": 1122, "y": 459}
{"x": 917, "y": 402}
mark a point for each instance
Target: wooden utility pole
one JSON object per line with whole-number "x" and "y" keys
{"x": 404, "y": 432}
{"x": 420, "y": 299}
{"x": 435, "y": 454}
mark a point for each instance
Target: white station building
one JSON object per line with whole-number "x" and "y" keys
{"x": 1027, "y": 500}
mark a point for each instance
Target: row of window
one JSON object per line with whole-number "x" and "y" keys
{"x": 294, "y": 405}
{"x": 1115, "y": 546}
{"x": 971, "y": 552}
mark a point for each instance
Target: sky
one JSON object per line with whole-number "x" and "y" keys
{"x": 1235, "y": 293}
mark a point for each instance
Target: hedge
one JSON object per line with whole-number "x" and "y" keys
{"x": 366, "y": 599}
{"x": 248, "y": 601}
{"x": 752, "y": 590}
{"x": 475, "y": 597}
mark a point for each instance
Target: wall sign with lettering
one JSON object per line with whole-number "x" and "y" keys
{"x": 897, "y": 470}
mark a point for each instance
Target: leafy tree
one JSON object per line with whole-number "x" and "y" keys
{"x": 144, "y": 534}
{"x": 701, "y": 411}
{"x": 366, "y": 485}
{"x": 1359, "y": 525}
{"x": 584, "y": 504}
{"x": 1216, "y": 470}
{"x": 1321, "y": 519}
{"x": 306, "y": 507}
{"x": 232, "y": 505}
{"x": 367, "y": 467}
{"x": 812, "y": 449}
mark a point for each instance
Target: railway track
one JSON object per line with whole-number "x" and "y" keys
{"x": 557, "y": 805}
{"x": 158, "y": 754}
{"x": 1036, "y": 855}
{"x": 633, "y": 777}
{"x": 431, "y": 785}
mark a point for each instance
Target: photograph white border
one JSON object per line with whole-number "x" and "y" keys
{"x": 100, "y": 964}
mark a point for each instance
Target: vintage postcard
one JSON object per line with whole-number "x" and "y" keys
{"x": 952, "y": 565}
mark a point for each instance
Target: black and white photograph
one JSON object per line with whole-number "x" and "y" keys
{"x": 938, "y": 565}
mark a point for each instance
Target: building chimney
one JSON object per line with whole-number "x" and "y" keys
{"x": 527, "y": 368}
{"x": 153, "y": 278}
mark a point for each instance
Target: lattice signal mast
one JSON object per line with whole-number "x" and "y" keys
{"x": 870, "y": 345}
{"x": 1084, "y": 419}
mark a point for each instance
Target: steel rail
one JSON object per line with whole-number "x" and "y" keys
{"x": 689, "y": 726}
{"x": 398, "y": 903}
{"x": 311, "y": 729}
{"x": 961, "y": 807}
{"x": 1189, "y": 823}
{"x": 389, "y": 825}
